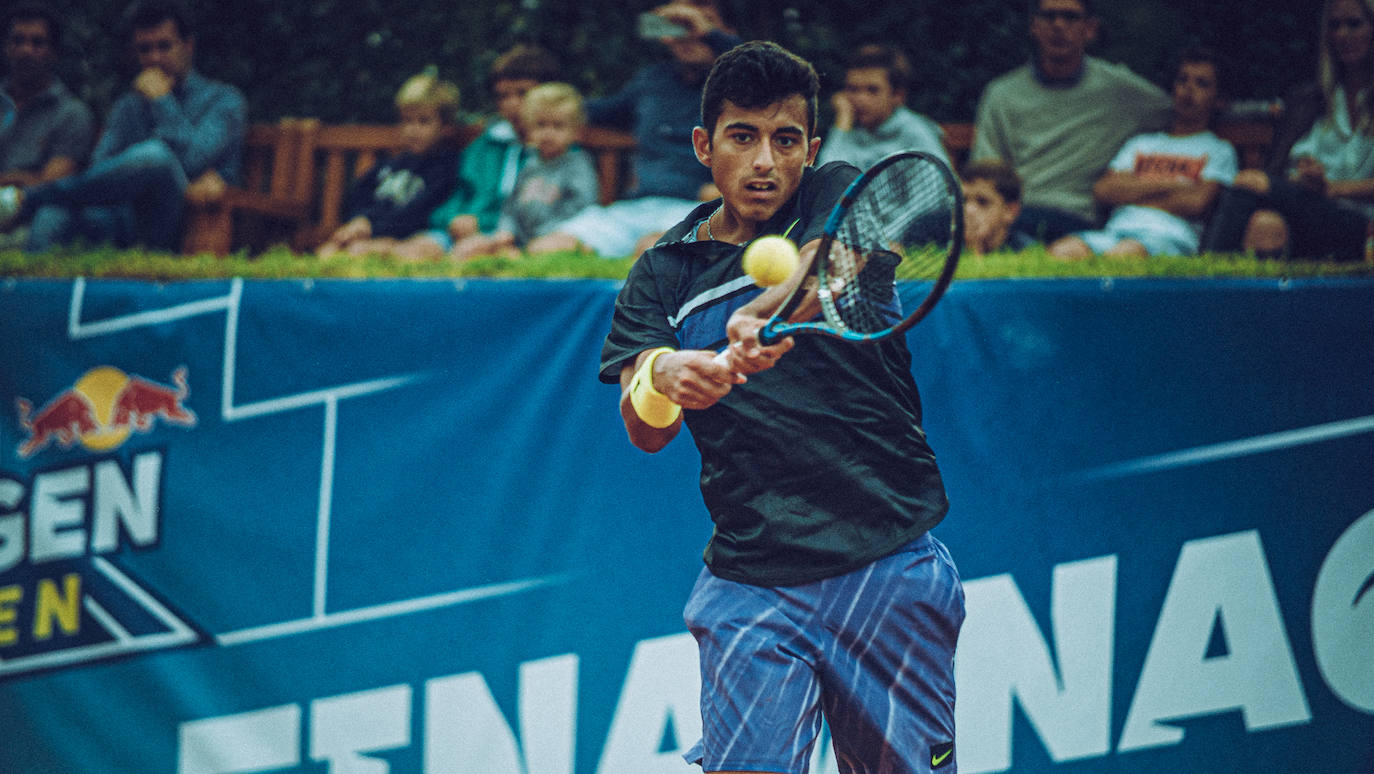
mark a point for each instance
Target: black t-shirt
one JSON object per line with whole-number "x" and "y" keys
{"x": 814, "y": 467}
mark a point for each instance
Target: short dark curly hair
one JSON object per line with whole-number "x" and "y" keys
{"x": 758, "y": 74}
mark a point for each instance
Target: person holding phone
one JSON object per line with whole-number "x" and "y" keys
{"x": 659, "y": 106}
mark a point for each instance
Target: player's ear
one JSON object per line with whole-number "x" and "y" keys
{"x": 813, "y": 146}
{"x": 701, "y": 143}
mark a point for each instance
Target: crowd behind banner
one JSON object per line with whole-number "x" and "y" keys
{"x": 1070, "y": 151}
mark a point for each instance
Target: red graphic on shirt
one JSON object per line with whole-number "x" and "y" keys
{"x": 1170, "y": 166}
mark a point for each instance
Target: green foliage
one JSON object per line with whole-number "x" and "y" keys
{"x": 280, "y": 264}
{"x": 341, "y": 60}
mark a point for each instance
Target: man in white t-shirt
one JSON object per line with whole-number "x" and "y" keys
{"x": 1163, "y": 184}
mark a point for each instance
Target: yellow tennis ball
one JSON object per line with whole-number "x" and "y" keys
{"x": 770, "y": 260}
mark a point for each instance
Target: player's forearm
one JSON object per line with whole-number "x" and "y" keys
{"x": 644, "y": 436}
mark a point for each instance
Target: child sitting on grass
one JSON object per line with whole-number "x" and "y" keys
{"x": 393, "y": 200}
{"x": 556, "y": 182}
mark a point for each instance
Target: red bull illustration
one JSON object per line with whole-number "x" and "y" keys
{"x": 101, "y": 409}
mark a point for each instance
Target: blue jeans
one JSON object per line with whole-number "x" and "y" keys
{"x": 134, "y": 197}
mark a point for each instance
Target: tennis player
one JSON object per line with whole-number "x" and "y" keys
{"x": 824, "y": 594}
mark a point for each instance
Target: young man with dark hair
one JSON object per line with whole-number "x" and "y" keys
{"x": 824, "y": 594}
{"x": 173, "y": 130}
{"x": 50, "y": 134}
{"x": 871, "y": 116}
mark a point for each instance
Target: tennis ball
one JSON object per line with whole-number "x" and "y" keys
{"x": 770, "y": 260}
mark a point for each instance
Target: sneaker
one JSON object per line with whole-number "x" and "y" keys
{"x": 11, "y": 199}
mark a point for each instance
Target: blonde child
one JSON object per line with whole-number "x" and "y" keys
{"x": 393, "y": 200}
{"x": 556, "y": 182}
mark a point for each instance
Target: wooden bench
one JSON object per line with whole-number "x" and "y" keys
{"x": 297, "y": 172}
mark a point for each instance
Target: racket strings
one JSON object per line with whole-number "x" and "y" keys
{"x": 897, "y": 227}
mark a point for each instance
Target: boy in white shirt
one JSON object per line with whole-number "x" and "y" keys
{"x": 1163, "y": 184}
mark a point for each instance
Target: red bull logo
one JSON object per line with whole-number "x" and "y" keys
{"x": 102, "y": 409}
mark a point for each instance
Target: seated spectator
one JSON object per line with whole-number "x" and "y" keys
{"x": 661, "y": 106}
{"x": 1315, "y": 197}
{"x": 1059, "y": 119}
{"x": 50, "y": 131}
{"x": 1164, "y": 184}
{"x": 394, "y": 198}
{"x": 490, "y": 163}
{"x": 992, "y": 202}
{"x": 557, "y": 181}
{"x": 871, "y": 116}
{"x": 174, "y": 130}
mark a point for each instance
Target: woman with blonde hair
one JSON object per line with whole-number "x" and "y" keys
{"x": 1315, "y": 198}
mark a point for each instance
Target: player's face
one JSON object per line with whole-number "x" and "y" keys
{"x": 1195, "y": 92}
{"x": 1349, "y": 32}
{"x": 163, "y": 47}
{"x": 757, "y": 155}
{"x": 552, "y": 132}
{"x": 870, "y": 91}
{"x": 1062, "y": 29}
{"x": 29, "y": 50}
{"x": 420, "y": 127}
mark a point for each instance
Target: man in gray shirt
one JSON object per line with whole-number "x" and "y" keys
{"x": 1060, "y": 119}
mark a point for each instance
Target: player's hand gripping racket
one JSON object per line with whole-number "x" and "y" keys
{"x": 888, "y": 252}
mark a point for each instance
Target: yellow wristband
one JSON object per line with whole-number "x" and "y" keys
{"x": 651, "y": 405}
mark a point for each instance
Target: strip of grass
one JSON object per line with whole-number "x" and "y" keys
{"x": 282, "y": 264}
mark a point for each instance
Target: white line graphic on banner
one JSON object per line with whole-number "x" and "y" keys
{"x": 327, "y": 399}
{"x": 1230, "y": 449}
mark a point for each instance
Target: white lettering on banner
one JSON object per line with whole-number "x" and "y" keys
{"x": 1219, "y": 584}
{"x": 342, "y": 728}
{"x": 1222, "y": 581}
{"x": 252, "y": 741}
{"x": 62, "y": 500}
{"x": 1071, "y": 709}
{"x": 1343, "y": 616}
{"x": 663, "y": 686}
{"x": 465, "y": 731}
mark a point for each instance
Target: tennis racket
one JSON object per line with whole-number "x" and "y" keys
{"x": 887, "y": 254}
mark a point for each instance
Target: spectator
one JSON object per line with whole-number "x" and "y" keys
{"x": 52, "y": 130}
{"x": 1315, "y": 197}
{"x": 659, "y": 105}
{"x": 871, "y": 116}
{"x": 992, "y": 201}
{"x": 173, "y": 130}
{"x": 394, "y": 198}
{"x": 1059, "y": 119}
{"x": 491, "y": 162}
{"x": 50, "y": 133}
{"x": 1164, "y": 184}
{"x": 557, "y": 181}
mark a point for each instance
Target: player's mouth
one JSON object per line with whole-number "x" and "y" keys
{"x": 760, "y": 188}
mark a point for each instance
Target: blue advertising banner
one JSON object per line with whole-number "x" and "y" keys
{"x": 396, "y": 526}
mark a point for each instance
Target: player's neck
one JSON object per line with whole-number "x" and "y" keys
{"x": 724, "y": 226}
